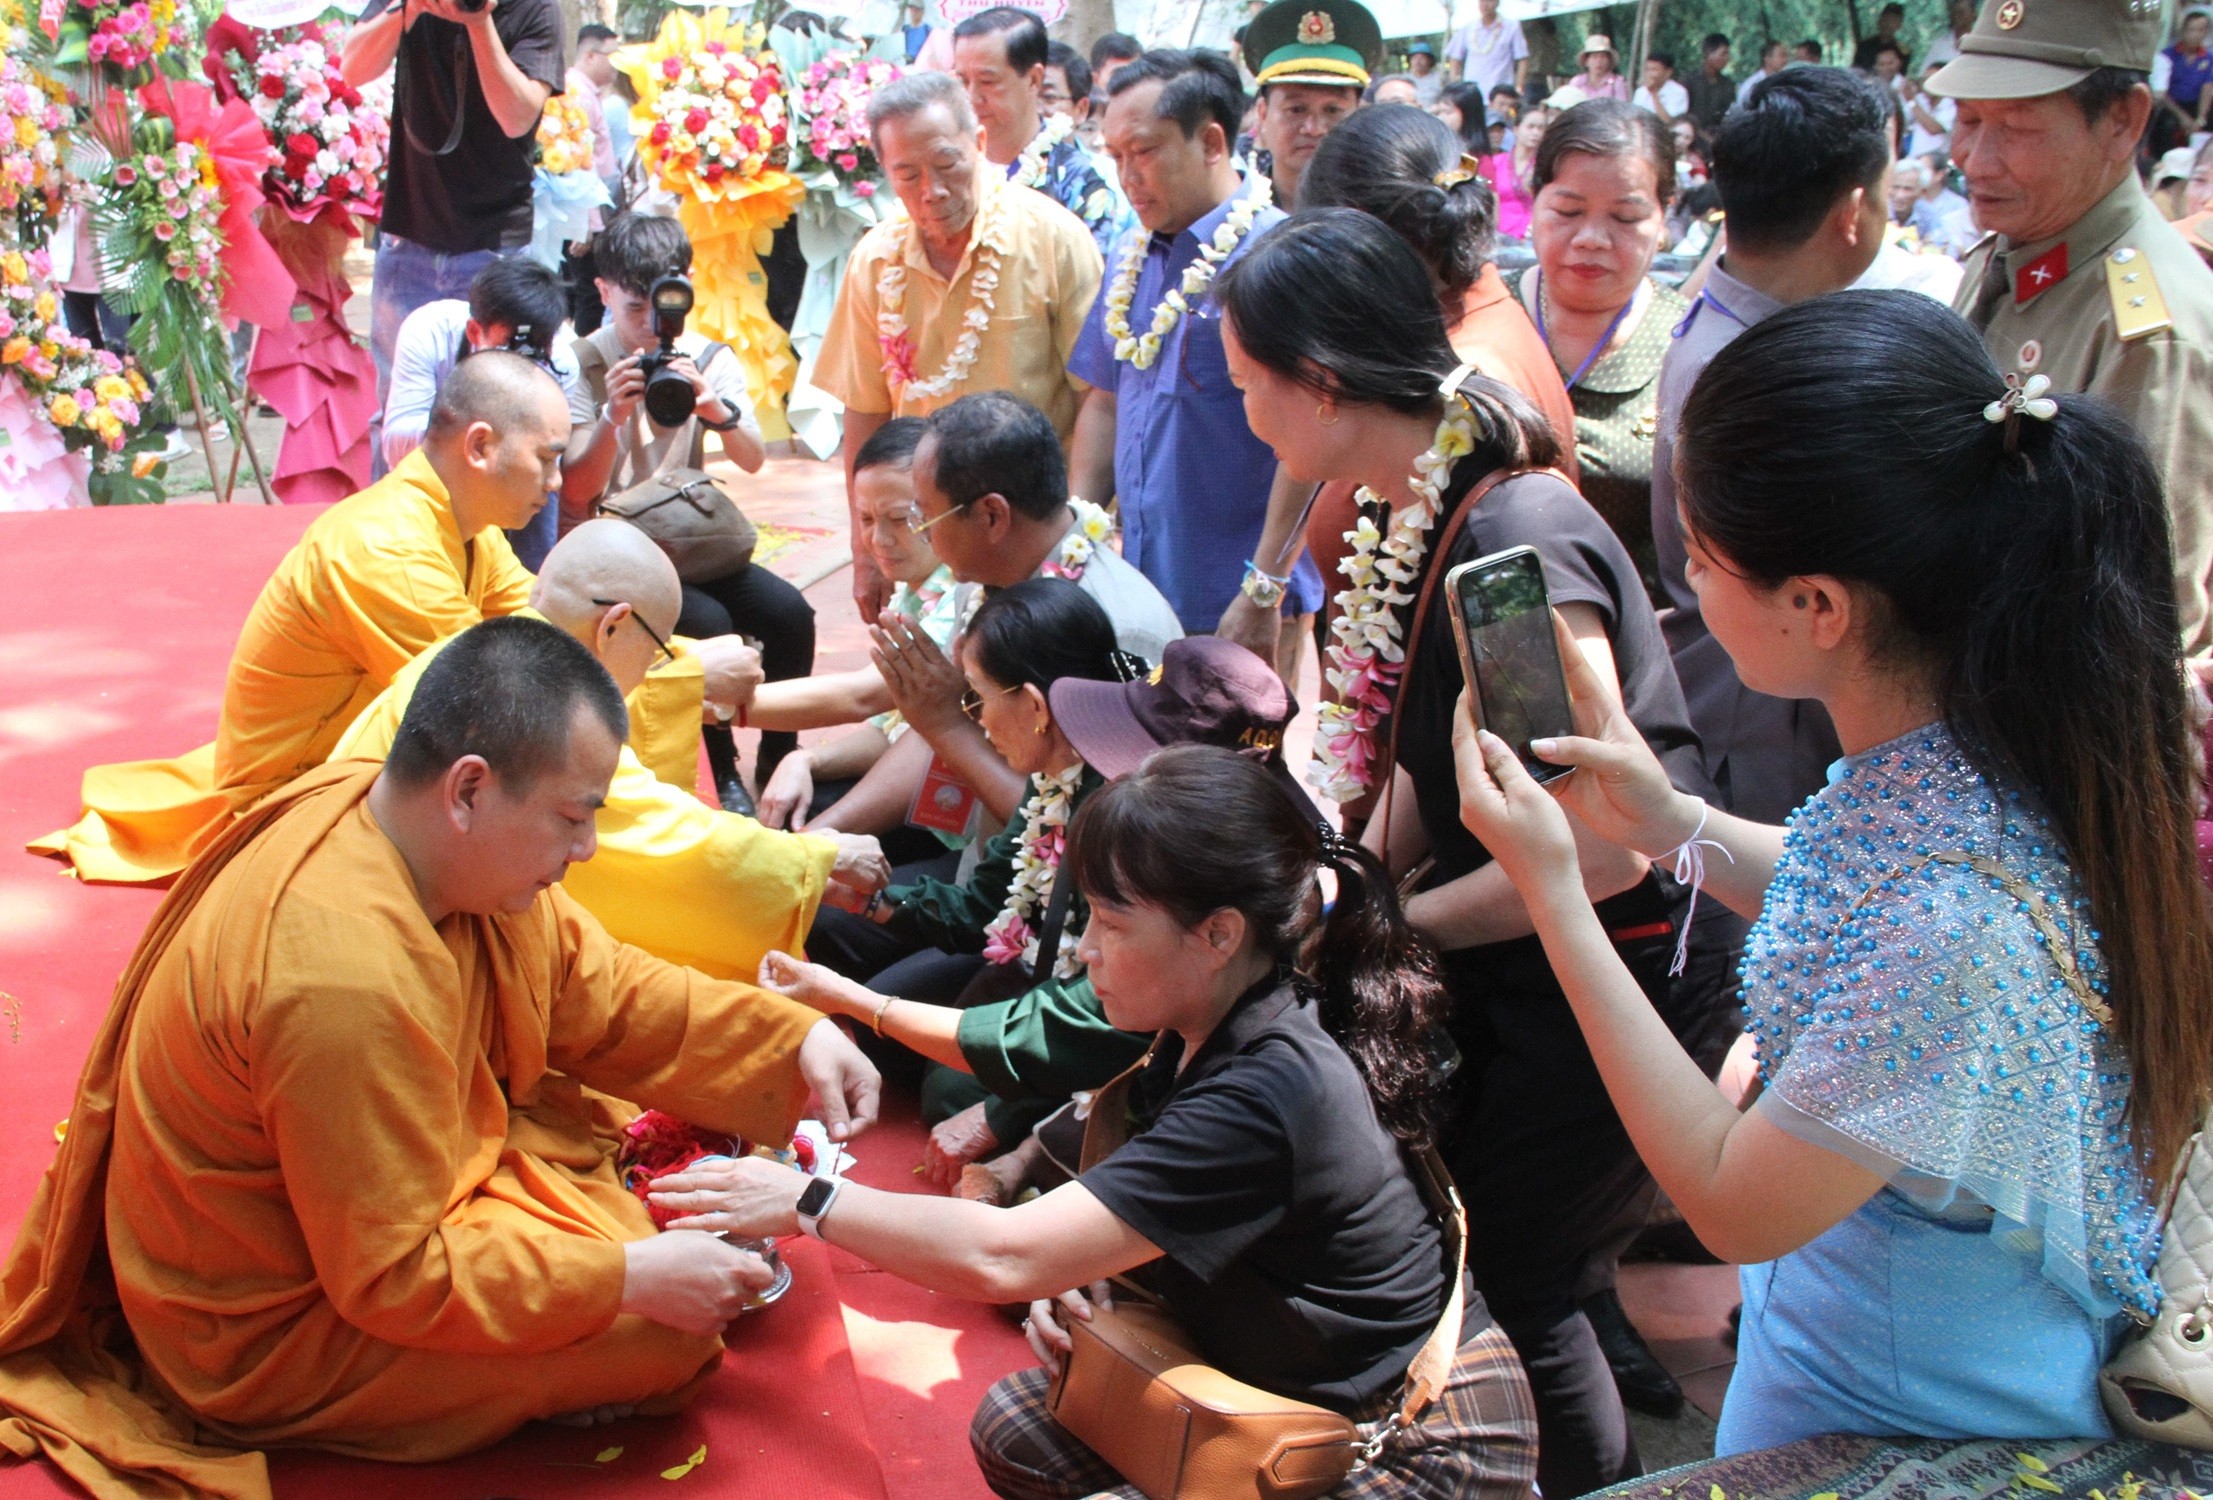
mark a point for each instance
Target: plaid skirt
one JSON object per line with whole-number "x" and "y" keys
{"x": 1476, "y": 1441}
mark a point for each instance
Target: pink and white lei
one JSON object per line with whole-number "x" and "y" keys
{"x": 1011, "y": 937}
{"x": 1366, "y": 654}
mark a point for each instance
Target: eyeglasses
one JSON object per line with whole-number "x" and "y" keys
{"x": 972, "y": 702}
{"x": 918, "y": 529}
{"x": 896, "y": 521}
{"x": 668, "y": 653}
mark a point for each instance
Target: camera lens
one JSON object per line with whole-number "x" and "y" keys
{"x": 669, "y": 398}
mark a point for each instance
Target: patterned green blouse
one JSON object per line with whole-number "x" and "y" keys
{"x": 1616, "y": 410}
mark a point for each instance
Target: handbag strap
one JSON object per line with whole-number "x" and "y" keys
{"x": 1053, "y": 924}
{"x": 1414, "y": 629}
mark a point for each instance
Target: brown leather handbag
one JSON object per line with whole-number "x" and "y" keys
{"x": 1139, "y": 1395}
{"x": 692, "y": 518}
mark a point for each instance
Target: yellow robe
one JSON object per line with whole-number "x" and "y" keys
{"x": 687, "y": 882}
{"x": 376, "y": 578}
{"x": 339, "y": 1169}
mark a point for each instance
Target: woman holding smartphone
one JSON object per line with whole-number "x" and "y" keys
{"x": 1982, "y": 975}
{"x": 1347, "y": 386}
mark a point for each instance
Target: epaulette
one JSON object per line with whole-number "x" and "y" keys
{"x": 2138, "y": 307}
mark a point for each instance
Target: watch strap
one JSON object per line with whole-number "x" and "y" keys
{"x": 810, "y": 1224}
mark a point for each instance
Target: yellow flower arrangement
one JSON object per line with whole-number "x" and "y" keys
{"x": 564, "y": 137}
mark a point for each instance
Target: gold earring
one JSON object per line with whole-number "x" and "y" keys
{"x": 1326, "y": 414}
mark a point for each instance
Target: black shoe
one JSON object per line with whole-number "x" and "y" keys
{"x": 722, "y": 764}
{"x": 1643, "y": 1381}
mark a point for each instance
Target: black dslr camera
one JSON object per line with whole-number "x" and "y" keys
{"x": 669, "y": 396}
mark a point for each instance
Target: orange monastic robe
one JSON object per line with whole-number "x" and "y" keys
{"x": 376, "y": 578}
{"x": 339, "y": 1169}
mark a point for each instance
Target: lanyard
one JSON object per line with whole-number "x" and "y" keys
{"x": 1596, "y": 349}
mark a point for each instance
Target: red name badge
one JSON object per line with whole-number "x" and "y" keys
{"x": 2040, "y": 275}
{"x": 943, "y": 803}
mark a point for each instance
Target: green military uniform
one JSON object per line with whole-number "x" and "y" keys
{"x": 2118, "y": 305}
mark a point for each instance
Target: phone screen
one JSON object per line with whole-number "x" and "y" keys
{"x": 1511, "y": 654}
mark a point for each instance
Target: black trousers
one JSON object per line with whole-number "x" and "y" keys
{"x": 1554, "y": 1188}
{"x": 754, "y": 601}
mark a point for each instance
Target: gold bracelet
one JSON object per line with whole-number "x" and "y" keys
{"x": 876, "y": 1021}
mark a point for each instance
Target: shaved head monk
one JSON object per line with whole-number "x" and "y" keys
{"x": 688, "y": 882}
{"x": 383, "y": 574}
{"x": 332, "y": 1157}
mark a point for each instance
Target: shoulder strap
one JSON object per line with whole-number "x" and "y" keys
{"x": 1414, "y": 628}
{"x": 1053, "y": 923}
{"x": 1432, "y": 1366}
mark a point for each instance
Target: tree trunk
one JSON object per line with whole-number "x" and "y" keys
{"x": 1085, "y": 23}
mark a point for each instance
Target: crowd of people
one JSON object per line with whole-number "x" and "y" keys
{"x": 1880, "y": 602}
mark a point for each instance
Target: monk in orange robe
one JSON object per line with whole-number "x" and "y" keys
{"x": 339, "y": 1170}
{"x": 411, "y": 560}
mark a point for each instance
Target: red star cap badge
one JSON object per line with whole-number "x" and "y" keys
{"x": 2040, "y": 275}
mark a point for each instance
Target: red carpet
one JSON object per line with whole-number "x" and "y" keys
{"x": 119, "y": 626}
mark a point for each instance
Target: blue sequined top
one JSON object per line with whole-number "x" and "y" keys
{"x": 1930, "y": 1029}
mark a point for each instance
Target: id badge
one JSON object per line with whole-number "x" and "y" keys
{"x": 943, "y": 803}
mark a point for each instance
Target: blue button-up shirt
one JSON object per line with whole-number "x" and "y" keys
{"x": 1192, "y": 479}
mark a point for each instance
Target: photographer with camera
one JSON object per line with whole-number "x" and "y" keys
{"x": 648, "y": 395}
{"x": 516, "y": 305}
{"x": 473, "y": 76}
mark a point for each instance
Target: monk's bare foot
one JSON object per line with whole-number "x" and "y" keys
{"x": 595, "y": 1416}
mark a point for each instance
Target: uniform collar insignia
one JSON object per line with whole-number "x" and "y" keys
{"x": 2033, "y": 278}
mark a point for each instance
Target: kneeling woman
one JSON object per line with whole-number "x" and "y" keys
{"x": 1267, "y": 1200}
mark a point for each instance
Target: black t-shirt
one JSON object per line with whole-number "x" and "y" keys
{"x": 1298, "y": 1251}
{"x": 1584, "y": 563}
{"x": 477, "y": 196}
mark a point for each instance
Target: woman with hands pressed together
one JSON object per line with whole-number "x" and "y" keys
{"x": 1002, "y": 930}
{"x": 1266, "y": 1199}
{"x": 1982, "y": 974}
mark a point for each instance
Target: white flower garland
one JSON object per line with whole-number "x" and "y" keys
{"x": 1366, "y": 657}
{"x": 892, "y": 338}
{"x": 1011, "y": 937}
{"x": 1197, "y": 277}
{"x": 1029, "y": 167}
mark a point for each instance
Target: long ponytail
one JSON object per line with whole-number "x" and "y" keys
{"x": 2024, "y": 565}
{"x": 1161, "y": 836}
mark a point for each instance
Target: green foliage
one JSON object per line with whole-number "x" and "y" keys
{"x": 1681, "y": 25}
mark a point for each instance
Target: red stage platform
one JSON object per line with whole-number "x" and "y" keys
{"x": 119, "y": 625}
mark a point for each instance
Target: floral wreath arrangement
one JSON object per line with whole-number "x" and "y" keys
{"x": 127, "y": 43}
{"x": 329, "y": 145}
{"x": 1366, "y": 654}
{"x": 719, "y": 142}
{"x": 94, "y": 400}
{"x": 1142, "y": 350}
{"x": 1012, "y": 937}
{"x": 656, "y": 1144}
{"x": 892, "y": 336}
{"x": 1030, "y": 165}
{"x": 831, "y": 109}
{"x": 31, "y": 125}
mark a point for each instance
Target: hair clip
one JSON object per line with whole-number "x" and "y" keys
{"x": 1128, "y": 665}
{"x": 2022, "y": 396}
{"x": 1336, "y": 848}
{"x": 1467, "y": 170}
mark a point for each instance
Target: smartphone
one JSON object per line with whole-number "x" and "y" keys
{"x": 1502, "y": 619}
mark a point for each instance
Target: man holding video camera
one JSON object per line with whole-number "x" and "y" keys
{"x": 472, "y": 77}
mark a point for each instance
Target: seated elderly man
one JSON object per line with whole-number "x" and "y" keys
{"x": 686, "y": 882}
{"x": 333, "y": 1159}
{"x": 991, "y": 487}
{"x": 410, "y": 560}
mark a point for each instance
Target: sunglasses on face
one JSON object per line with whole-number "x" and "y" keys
{"x": 667, "y": 652}
{"x": 972, "y": 702}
